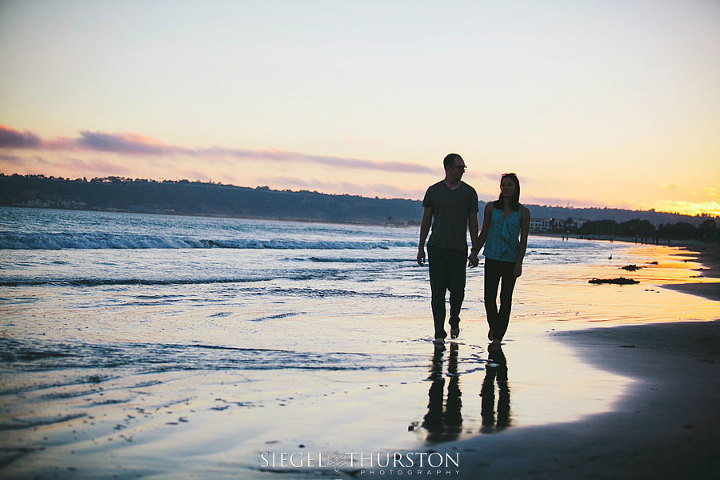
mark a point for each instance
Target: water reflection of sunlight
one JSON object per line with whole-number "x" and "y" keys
{"x": 550, "y": 383}
{"x": 561, "y": 292}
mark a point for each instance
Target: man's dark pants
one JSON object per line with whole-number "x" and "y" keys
{"x": 447, "y": 272}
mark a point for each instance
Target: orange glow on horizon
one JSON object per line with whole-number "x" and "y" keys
{"x": 711, "y": 208}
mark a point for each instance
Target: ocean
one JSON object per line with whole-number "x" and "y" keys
{"x": 127, "y": 340}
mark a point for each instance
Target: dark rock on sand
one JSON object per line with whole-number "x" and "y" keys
{"x": 615, "y": 281}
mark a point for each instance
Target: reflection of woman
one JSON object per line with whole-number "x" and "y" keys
{"x": 496, "y": 370}
{"x": 504, "y": 235}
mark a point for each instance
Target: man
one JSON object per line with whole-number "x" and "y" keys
{"x": 450, "y": 205}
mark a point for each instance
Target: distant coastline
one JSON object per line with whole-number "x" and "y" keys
{"x": 211, "y": 199}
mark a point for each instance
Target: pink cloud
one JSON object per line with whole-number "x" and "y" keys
{"x": 124, "y": 143}
{"x": 137, "y": 144}
{"x": 11, "y": 138}
{"x": 285, "y": 156}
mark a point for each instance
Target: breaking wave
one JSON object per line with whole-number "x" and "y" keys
{"x": 62, "y": 241}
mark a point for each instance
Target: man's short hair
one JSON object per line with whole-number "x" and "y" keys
{"x": 450, "y": 160}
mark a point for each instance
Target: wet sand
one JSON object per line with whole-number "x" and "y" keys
{"x": 668, "y": 426}
{"x": 709, "y": 255}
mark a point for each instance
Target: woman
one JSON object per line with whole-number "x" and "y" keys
{"x": 504, "y": 234}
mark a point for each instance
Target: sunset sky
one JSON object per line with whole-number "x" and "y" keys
{"x": 591, "y": 103}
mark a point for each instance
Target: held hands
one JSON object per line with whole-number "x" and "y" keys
{"x": 473, "y": 260}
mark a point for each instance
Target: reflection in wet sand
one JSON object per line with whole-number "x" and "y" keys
{"x": 443, "y": 420}
{"x": 496, "y": 371}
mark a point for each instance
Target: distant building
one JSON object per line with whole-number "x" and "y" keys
{"x": 539, "y": 225}
{"x": 544, "y": 225}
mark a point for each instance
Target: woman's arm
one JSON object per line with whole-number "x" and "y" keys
{"x": 524, "y": 230}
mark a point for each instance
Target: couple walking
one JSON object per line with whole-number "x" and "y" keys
{"x": 451, "y": 207}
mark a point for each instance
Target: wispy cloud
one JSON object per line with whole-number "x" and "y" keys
{"x": 58, "y": 166}
{"x": 137, "y": 144}
{"x": 123, "y": 143}
{"x": 473, "y": 175}
{"x": 285, "y": 156}
{"x": 13, "y": 159}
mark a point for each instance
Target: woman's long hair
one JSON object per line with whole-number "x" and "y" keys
{"x": 515, "y": 201}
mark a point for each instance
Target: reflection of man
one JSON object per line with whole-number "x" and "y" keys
{"x": 450, "y": 205}
{"x": 444, "y": 425}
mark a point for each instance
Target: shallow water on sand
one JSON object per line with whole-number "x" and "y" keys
{"x": 156, "y": 345}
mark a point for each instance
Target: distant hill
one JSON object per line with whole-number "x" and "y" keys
{"x": 617, "y": 214}
{"x": 197, "y": 198}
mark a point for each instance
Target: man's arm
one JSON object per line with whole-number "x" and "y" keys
{"x": 424, "y": 230}
{"x": 473, "y": 260}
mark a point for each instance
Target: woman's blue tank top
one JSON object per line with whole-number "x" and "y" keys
{"x": 503, "y": 241}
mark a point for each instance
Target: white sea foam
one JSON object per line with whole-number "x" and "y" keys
{"x": 77, "y": 240}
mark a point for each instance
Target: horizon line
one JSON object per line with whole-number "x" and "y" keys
{"x": 267, "y": 187}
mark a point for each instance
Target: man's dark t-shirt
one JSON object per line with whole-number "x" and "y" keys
{"x": 450, "y": 214}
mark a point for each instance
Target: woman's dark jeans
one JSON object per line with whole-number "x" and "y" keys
{"x": 495, "y": 271}
{"x": 447, "y": 272}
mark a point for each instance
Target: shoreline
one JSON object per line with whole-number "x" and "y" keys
{"x": 706, "y": 253}
{"x": 710, "y": 250}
